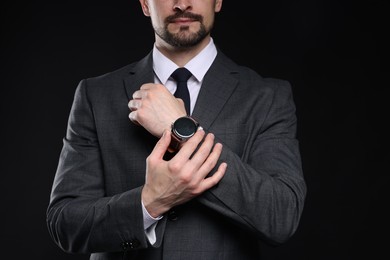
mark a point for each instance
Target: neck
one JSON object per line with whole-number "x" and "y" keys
{"x": 180, "y": 56}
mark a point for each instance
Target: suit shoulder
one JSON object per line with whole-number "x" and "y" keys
{"x": 253, "y": 78}
{"x": 105, "y": 83}
{"x": 249, "y": 76}
{"x": 105, "y": 86}
{"x": 119, "y": 73}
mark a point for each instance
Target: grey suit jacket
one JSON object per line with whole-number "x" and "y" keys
{"x": 95, "y": 204}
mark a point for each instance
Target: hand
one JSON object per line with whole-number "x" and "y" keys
{"x": 170, "y": 183}
{"x": 155, "y": 108}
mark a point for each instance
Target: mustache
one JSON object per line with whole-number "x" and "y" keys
{"x": 195, "y": 17}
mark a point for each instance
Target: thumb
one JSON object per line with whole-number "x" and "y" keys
{"x": 162, "y": 145}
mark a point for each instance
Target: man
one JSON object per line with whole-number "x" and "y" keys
{"x": 136, "y": 189}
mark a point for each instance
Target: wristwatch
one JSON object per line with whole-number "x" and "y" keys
{"x": 182, "y": 129}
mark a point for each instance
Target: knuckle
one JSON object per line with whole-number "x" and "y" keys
{"x": 160, "y": 87}
{"x": 195, "y": 191}
{"x": 186, "y": 178}
{"x": 140, "y": 113}
{"x": 195, "y": 141}
{"x": 174, "y": 166}
{"x": 150, "y": 159}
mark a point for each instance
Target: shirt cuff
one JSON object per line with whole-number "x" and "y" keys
{"x": 148, "y": 219}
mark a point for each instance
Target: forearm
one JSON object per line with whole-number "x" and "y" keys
{"x": 263, "y": 189}
{"x": 86, "y": 224}
{"x": 266, "y": 201}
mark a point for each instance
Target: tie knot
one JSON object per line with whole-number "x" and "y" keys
{"x": 181, "y": 74}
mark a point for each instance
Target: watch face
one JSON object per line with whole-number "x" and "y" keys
{"x": 184, "y": 127}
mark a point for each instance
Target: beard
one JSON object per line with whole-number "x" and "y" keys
{"x": 183, "y": 39}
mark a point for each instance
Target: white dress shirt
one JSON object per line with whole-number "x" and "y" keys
{"x": 163, "y": 68}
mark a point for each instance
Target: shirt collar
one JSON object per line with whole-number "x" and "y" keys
{"x": 198, "y": 66}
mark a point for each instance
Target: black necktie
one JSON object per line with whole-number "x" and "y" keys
{"x": 181, "y": 75}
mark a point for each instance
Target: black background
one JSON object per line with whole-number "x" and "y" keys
{"x": 331, "y": 51}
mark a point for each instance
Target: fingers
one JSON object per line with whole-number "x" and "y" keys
{"x": 205, "y": 160}
{"x": 180, "y": 101}
{"x": 162, "y": 145}
{"x": 211, "y": 181}
{"x": 133, "y": 117}
{"x": 190, "y": 145}
{"x": 204, "y": 150}
{"x": 155, "y": 108}
{"x": 149, "y": 86}
{"x": 134, "y": 104}
{"x": 211, "y": 160}
{"x": 143, "y": 91}
{"x": 140, "y": 94}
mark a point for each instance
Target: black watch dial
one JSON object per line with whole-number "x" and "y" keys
{"x": 184, "y": 127}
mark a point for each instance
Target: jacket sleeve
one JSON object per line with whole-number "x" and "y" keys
{"x": 80, "y": 216}
{"x": 263, "y": 189}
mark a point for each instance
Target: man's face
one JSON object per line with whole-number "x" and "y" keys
{"x": 181, "y": 23}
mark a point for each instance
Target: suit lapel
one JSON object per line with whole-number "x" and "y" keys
{"x": 218, "y": 85}
{"x": 140, "y": 74}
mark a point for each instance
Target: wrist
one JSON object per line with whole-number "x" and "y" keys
{"x": 153, "y": 209}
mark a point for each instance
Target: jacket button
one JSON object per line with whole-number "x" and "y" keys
{"x": 172, "y": 215}
{"x": 132, "y": 244}
{"x": 125, "y": 245}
